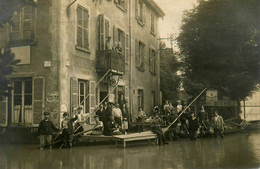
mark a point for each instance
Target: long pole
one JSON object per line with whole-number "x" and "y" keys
{"x": 94, "y": 87}
{"x": 167, "y": 128}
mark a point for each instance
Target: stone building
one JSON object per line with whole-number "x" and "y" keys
{"x": 80, "y": 52}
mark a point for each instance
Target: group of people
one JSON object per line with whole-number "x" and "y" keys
{"x": 110, "y": 119}
{"x": 113, "y": 119}
{"x": 182, "y": 120}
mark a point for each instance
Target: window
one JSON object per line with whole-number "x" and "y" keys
{"x": 140, "y": 55}
{"x": 140, "y": 10}
{"x": 120, "y": 37}
{"x": 122, "y": 4}
{"x": 82, "y": 93}
{"x": 82, "y": 28}
{"x": 23, "y": 24}
{"x": 140, "y": 98}
{"x": 22, "y": 101}
{"x": 103, "y": 33}
{"x": 152, "y": 61}
{"x": 152, "y": 23}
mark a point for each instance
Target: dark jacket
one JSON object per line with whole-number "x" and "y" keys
{"x": 70, "y": 129}
{"x": 111, "y": 126}
{"x": 46, "y": 127}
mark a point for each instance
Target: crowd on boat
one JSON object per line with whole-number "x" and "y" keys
{"x": 167, "y": 121}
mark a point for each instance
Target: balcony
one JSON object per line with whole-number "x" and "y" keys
{"x": 109, "y": 59}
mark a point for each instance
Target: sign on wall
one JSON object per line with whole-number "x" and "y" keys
{"x": 23, "y": 53}
{"x": 211, "y": 95}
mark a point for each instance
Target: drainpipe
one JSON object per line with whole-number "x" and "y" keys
{"x": 69, "y": 6}
{"x": 130, "y": 63}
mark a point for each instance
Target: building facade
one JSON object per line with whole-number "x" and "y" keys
{"x": 81, "y": 52}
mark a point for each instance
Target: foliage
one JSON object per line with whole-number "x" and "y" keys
{"x": 220, "y": 45}
{"x": 7, "y": 64}
{"x": 169, "y": 80}
{"x": 7, "y": 59}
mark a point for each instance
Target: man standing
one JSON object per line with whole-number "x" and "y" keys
{"x": 67, "y": 126}
{"x": 45, "y": 131}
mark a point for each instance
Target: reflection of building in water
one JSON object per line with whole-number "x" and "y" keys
{"x": 65, "y": 48}
{"x": 251, "y": 107}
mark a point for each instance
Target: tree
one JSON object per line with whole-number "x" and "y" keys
{"x": 7, "y": 59}
{"x": 220, "y": 45}
{"x": 169, "y": 80}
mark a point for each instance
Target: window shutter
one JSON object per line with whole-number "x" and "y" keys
{"x": 126, "y": 48}
{"x": 92, "y": 96}
{"x": 107, "y": 43}
{"x": 79, "y": 27}
{"x": 101, "y": 32}
{"x": 150, "y": 60}
{"x": 143, "y": 56}
{"x": 123, "y": 44}
{"x": 85, "y": 29}
{"x": 74, "y": 93}
{"x": 126, "y": 4}
{"x": 3, "y": 112}
{"x": 155, "y": 61}
{"x": 27, "y": 22}
{"x": 115, "y": 35}
{"x": 136, "y": 8}
{"x": 137, "y": 60}
{"x": 144, "y": 13}
{"x": 38, "y": 99}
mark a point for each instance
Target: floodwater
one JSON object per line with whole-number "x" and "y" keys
{"x": 241, "y": 150}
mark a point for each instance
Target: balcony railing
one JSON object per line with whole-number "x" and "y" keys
{"x": 109, "y": 59}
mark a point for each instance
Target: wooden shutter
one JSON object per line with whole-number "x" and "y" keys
{"x": 150, "y": 60}
{"x": 123, "y": 43}
{"x": 92, "y": 100}
{"x": 85, "y": 29}
{"x": 107, "y": 43}
{"x": 74, "y": 93}
{"x": 115, "y": 35}
{"x": 126, "y": 4}
{"x": 27, "y": 22}
{"x": 126, "y": 48}
{"x": 156, "y": 61}
{"x": 101, "y": 32}
{"x": 79, "y": 27}
{"x": 136, "y": 9}
{"x": 144, "y": 13}
{"x": 137, "y": 60}
{"x": 38, "y": 99}
{"x": 3, "y": 112}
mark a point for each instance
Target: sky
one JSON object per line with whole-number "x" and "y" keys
{"x": 172, "y": 20}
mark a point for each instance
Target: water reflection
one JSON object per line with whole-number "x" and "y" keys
{"x": 234, "y": 151}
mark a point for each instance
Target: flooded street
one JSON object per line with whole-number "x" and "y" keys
{"x": 241, "y": 150}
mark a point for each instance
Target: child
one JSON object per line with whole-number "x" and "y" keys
{"x": 45, "y": 131}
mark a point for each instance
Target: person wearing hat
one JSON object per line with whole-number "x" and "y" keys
{"x": 98, "y": 127}
{"x": 68, "y": 131}
{"x": 45, "y": 131}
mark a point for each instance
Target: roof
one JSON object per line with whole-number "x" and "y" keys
{"x": 155, "y": 7}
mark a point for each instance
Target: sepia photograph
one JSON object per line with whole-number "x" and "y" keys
{"x": 129, "y": 84}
